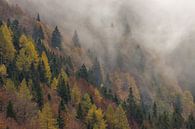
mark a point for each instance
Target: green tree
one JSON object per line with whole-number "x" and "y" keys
{"x": 155, "y": 110}
{"x": 164, "y": 121}
{"x": 10, "y": 111}
{"x": 83, "y": 73}
{"x": 63, "y": 88}
{"x": 56, "y": 38}
{"x": 190, "y": 122}
{"x": 75, "y": 39}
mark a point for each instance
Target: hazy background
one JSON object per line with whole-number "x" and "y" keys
{"x": 165, "y": 27}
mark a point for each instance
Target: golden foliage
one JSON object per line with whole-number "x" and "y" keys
{"x": 46, "y": 120}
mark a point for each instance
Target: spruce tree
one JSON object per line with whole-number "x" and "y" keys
{"x": 75, "y": 39}
{"x": 56, "y": 39}
{"x": 10, "y": 111}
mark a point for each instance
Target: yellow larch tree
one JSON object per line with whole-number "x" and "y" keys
{"x": 46, "y": 120}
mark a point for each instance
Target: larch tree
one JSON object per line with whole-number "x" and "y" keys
{"x": 54, "y": 84}
{"x": 7, "y": 50}
{"x": 121, "y": 119}
{"x": 98, "y": 96}
{"x": 25, "y": 108}
{"x": 76, "y": 94}
{"x": 111, "y": 117}
{"x": 46, "y": 67}
{"x": 46, "y": 119}
{"x": 27, "y": 54}
{"x": 95, "y": 118}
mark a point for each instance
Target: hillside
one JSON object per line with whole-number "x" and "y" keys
{"x": 49, "y": 80}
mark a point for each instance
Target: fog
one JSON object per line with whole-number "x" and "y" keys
{"x": 162, "y": 26}
{"x": 155, "y": 23}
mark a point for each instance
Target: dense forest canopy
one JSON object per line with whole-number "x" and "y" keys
{"x": 49, "y": 79}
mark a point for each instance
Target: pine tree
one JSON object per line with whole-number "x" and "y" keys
{"x": 60, "y": 119}
{"x": 177, "y": 118}
{"x": 83, "y": 73}
{"x": 155, "y": 110}
{"x": 46, "y": 120}
{"x": 75, "y": 39}
{"x": 56, "y": 38}
{"x": 38, "y": 17}
{"x": 191, "y": 122}
{"x": 10, "y": 111}
{"x": 96, "y": 73}
{"x": 80, "y": 112}
{"x": 131, "y": 104}
{"x": 164, "y": 121}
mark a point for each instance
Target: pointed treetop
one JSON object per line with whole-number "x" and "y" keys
{"x": 38, "y": 17}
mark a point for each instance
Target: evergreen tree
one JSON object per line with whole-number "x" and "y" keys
{"x": 131, "y": 104}
{"x": 60, "y": 119}
{"x": 10, "y": 111}
{"x": 64, "y": 90}
{"x": 164, "y": 121}
{"x": 56, "y": 38}
{"x": 96, "y": 74}
{"x": 190, "y": 122}
{"x": 75, "y": 39}
{"x": 38, "y": 17}
{"x": 177, "y": 119}
{"x": 80, "y": 112}
{"x": 83, "y": 73}
{"x": 155, "y": 110}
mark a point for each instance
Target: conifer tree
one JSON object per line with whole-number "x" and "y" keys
{"x": 46, "y": 68}
{"x": 27, "y": 55}
{"x": 121, "y": 119}
{"x": 83, "y": 73}
{"x": 190, "y": 122}
{"x": 10, "y": 111}
{"x": 95, "y": 118}
{"x": 46, "y": 120}
{"x": 155, "y": 110}
{"x": 76, "y": 94}
{"x": 7, "y": 50}
{"x": 75, "y": 39}
{"x": 111, "y": 117}
{"x": 177, "y": 118}
{"x": 56, "y": 38}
